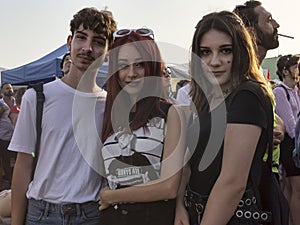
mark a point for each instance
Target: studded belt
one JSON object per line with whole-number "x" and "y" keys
{"x": 247, "y": 208}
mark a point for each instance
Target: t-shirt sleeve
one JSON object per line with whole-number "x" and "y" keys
{"x": 246, "y": 108}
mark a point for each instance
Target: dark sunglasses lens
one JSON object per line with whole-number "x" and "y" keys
{"x": 143, "y": 31}
{"x": 123, "y": 32}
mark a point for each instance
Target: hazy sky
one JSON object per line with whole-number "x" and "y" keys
{"x": 32, "y": 28}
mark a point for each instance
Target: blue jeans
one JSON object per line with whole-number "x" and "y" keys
{"x": 42, "y": 212}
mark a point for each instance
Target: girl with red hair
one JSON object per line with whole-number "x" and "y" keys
{"x": 142, "y": 136}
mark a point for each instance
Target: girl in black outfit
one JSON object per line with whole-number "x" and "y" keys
{"x": 232, "y": 136}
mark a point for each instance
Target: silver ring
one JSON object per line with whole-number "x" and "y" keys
{"x": 239, "y": 213}
{"x": 253, "y": 200}
{"x": 255, "y": 215}
{"x": 248, "y": 201}
{"x": 264, "y": 216}
{"x": 199, "y": 208}
{"x": 241, "y": 204}
{"x": 247, "y": 214}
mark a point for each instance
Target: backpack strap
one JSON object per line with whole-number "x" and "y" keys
{"x": 286, "y": 91}
{"x": 266, "y": 103}
{"x": 40, "y": 99}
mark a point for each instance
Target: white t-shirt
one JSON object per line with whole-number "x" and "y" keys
{"x": 68, "y": 166}
{"x": 183, "y": 97}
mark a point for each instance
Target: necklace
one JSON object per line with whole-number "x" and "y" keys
{"x": 226, "y": 92}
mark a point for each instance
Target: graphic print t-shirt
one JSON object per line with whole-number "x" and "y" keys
{"x": 132, "y": 158}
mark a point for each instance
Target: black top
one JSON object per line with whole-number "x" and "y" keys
{"x": 243, "y": 108}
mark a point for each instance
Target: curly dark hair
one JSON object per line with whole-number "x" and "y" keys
{"x": 95, "y": 20}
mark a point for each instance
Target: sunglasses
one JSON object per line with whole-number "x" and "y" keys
{"x": 145, "y": 32}
{"x": 167, "y": 72}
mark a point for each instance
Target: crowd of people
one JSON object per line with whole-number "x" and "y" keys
{"x": 135, "y": 153}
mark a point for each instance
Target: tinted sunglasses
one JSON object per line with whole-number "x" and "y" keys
{"x": 145, "y": 32}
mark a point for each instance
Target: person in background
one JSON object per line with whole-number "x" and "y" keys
{"x": 3, "y": 107}
{"x": 223, "y": 56}
{"x": 288, "y": 108}
{"x": 181, "y": 84}
{"x": 298, "y": 83}
{"x": 143, "y": 148}
{"x": 264, "y": 31}
{"x": 8, "y": 158}
{"x": 261, "y": 25}
{"x": 167, "y": 85}
{"x": 63, "y": 187}
{"x": 183, "y": 98}
{"x": 65, "y": 63}
{"x": 14, "y": 111}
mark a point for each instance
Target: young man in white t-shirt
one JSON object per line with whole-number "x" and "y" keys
{"x": 66, "y": 182}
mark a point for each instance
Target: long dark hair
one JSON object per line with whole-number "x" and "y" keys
{"x": 147, "y": 107}
{"x": 245, "y": 65}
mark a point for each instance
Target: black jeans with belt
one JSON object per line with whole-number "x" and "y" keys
{"x": 247, "y": 212}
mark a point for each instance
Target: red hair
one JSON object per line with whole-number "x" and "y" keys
{"x": 146, "y": 108}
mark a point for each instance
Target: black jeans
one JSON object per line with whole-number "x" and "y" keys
{"x": 152, "y": 213}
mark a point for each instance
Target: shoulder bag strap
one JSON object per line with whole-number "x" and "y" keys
{"x": 265, "y": 101}
{"x": 286, "y": 91}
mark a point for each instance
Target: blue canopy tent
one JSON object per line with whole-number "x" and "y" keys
{"x": 44, "y": 69}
